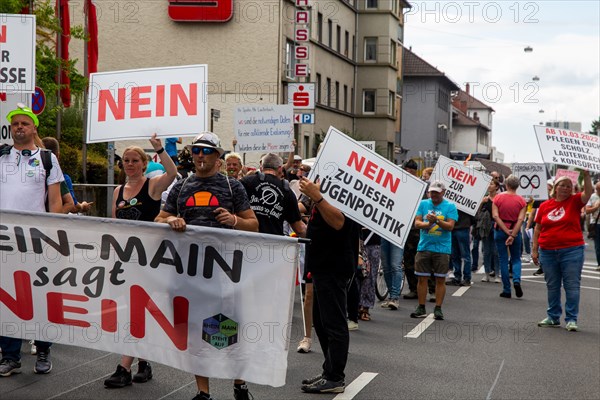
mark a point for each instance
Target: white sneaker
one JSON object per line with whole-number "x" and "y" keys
{"x": 352, "y": 326}
{"x": 304, "y": 345}
{"x": 33, "y": 347}
{"x": 486, "y": 278}
{"x": 497, "y": 280}
{"x": 385, "y": 304}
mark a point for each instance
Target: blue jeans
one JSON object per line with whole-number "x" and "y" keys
{"x": 475, "y": 253}
{"x": 11, "y": 347}
{"x": 391, "y": 261}
{"x": 461, "y": 251}
{"x": 515, "y": 258}
{"x": 490, "y": 255}
{"x": 564, "y": 267}
{"x": 597, "y": 243}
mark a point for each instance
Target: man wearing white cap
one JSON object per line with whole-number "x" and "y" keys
{"x": 27, "y": 178}
{"x": 435, "y": 218}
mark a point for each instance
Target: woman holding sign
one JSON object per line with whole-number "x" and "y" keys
{"x": 559, "y": 245}
{"x": 139, "y": 199}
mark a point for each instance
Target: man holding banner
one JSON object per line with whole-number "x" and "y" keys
{"x": 25, "y": 185}
{"x": 209, "y": 198}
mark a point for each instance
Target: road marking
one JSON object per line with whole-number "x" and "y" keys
{"x": 531, "y": 279}
{"x": 489, "y": 396}
{"x": 460, "y": 291}
{"x": 356, "y": 386}
{"x": 176, "y": 390}
{"x": 417, "y": 330}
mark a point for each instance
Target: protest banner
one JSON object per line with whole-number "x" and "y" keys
{"x": 572, "y": 175}
{"x": 124, "y": 105}
{"x": 17, "y": 53}
{"x": 366, "y": 187}
{"x": 532, "y": 181}
{"x": 8, "y": 102}
{"x": 213, "y": 302}
{"x": 570, "y": 148}
{"x": 465, "y": 186}
{"x": 265, "y": 128}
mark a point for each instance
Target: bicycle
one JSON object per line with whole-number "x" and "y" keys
{"x": 381, "y": 289}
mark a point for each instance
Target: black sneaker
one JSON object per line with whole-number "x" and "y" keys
{"x": 119, "y": 379}
{"x": 202, "y": 396}
{"x": 411, "y": 296}
{"x": 518, "y": 290}
{"x": 325, "y": 386}
{"x": 241, "y": 392}
{"x": 505, "y": 295}
{"x": 539, "y": 272}
{"x": 453, "y": 282}
{"x": 419, "y": 312}
{"x": 43, "y": 365}
{"x": 9, "y": 367}
{"x": 312, "y": 380}
{"x": 144, "y": 373}
{"x": 438, "y": 314}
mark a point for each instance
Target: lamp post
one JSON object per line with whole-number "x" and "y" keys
{"x": 214, "y": 116}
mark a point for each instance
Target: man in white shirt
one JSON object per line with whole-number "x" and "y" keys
{"x": 593, "y": 208}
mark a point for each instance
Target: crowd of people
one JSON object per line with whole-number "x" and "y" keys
{"x": 341, "y": 261}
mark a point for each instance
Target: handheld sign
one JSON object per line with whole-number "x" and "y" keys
{"x": 264, "y": 128}
{"x": 532, "y": 181}
{"x": 366, "y": 187}
{"x": 17, "y": 53}
{"x": 133, "y": 104}
{"x": 465, "y": 186}
{"x": 564, "y": 147}
{"x": 572, "y": 175}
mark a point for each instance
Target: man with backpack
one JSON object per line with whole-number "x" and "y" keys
{"x": 29, "y": 175}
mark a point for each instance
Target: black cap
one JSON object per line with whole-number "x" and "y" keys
{"x": 410, "y": 164}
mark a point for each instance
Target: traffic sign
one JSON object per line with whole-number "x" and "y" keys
{"x": 38, "y": 101}
{"x": 304, "y": 118}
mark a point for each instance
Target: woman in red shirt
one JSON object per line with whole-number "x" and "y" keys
{"x": 558, "y": 244}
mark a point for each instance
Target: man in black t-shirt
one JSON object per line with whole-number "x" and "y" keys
{"x": 271, "y": 198}
{"x": 331, "y": 258}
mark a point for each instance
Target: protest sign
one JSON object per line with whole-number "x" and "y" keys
{"x": 532, "y": 181}
{"x": 17, "y": 53}
{"x": 366, "y": 187}
{"x": 572, "y": 175}
{"x": 133, "y": 104}
{"x": 8, "y": 102}
{"x": 265, "y": 128}
{"x": 564, "y": 147}
{"x": 465, "y": 186}
{"x": 213, "y": 302}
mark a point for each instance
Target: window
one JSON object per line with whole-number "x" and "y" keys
{"x": 352, "y": 100}
{"x": 338, "y": 39}
{"x": 320, "y": 27}
{"x": 319, "y": 88}
{"x": 393, "y": 47}
{"x": 391, "y": 103}
{"x": 353, "y": 47}
{"x": 482, "y": 138}
{"x": 395, "y": 7}
{"x": 330, "y": 33}
{"x": 307, "y": 147}
{"x": 370, "y": 49}
{"x": 347, "y": 44}
{"x": 371, "y": 4}
{"x": 443, "y": 100}
{"x": 328, "y": 92}
{"x": 442, "y": 137}
{"x": 337, "y": 95}
{"x": 289, "y": 59}
{"x": 399, "y": 86}
{"x": 345, "y": 97}
{"x": 369, "y": 101}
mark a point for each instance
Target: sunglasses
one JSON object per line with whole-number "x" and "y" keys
{"x": 204, "y": 150}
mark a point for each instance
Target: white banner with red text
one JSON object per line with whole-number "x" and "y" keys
{"x": 213, "y": 302}
{"x": 367, "y": 187}
{"x": 570, "y": 148}
{"x": 465, "y": 186}
{"x": 133, "y": 104}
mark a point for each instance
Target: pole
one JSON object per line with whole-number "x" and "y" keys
{"x": 86, "y": 73}
{"x": 59, "y": 77}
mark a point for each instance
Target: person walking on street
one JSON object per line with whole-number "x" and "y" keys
{"x": 593, "y": 208}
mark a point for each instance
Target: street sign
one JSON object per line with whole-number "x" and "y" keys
{"x": 38, "y": 101}
{"x": 304, "y": 119}
{"x": 301, "y": 95}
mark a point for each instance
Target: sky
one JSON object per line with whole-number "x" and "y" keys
{"x": 482, "y": 42}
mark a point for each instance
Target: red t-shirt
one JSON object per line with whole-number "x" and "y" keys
{"x": 509, "y": 206}
{"x": 560, "y": 223}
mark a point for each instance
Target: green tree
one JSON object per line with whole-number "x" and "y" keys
{"x": 596, "y": 126}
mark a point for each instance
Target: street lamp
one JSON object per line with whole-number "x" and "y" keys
{"x": 535, "y": 78}
{"x": 528, "y": 49}
{"x": 214, "y": 116}
{"x": 541, "y": 111}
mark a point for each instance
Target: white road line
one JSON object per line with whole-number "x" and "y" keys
{"x": 460, "y": 291}
{"x": 530, "y": 279}
{"x": 489, "y": 396}
{"x": 356, "y": 386}
{"x": 417, "y": 330}
{"x": 176, "y": 390}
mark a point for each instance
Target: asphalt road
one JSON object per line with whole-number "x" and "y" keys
{"x": 486, "y": 348}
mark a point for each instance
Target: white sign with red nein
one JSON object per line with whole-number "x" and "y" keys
{"x": 367, "y": 187}
{"x": 564, "y": 147}
{"x": 17, "y": 53}
{"x": 133, "y": 104}
{"x": 301, "y": 96}
{"x": 465, "y": 186}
